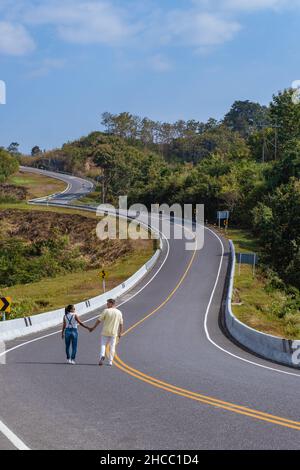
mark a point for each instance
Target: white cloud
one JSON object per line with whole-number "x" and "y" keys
{"x": 83, "y": 22}
{"x": 193, "y": 28}
{"x": 236, "y": 6}
{"x": 198, "y": 24}
{"x": 15, "y": 39}
{"x": 252, "y": 5}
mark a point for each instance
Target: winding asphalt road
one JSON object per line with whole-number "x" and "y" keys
{"x": 177, "y": 382}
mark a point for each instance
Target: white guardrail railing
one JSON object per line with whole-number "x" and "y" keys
{"x": 267, "y": 346}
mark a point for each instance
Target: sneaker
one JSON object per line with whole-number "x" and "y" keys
{"x": 109, "y": 364}
{"x": 102, "y": 361}
{"x": 68, "y": 361}
{"x": 73, "y": 362}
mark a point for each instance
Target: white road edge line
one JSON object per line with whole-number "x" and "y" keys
{"x": 217, "y": 345}
{"x": 12, "y": 437}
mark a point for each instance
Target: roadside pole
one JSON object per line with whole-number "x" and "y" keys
{"x": 254, "y": 263}
{"x": 103, "y": 277}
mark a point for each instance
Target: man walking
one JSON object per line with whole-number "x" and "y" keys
{"x": 112, "y": 328}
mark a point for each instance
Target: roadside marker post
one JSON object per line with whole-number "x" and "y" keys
{"x": 5, "y": 306}
{"x": 103, "y": 277}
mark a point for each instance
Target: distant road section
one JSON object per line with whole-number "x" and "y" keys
{"x": 76, "y": 187}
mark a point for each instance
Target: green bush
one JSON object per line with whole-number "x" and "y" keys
{"x": 8, "y": 165}
{"x": 23, "y": 263}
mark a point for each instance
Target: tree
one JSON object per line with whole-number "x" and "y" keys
{"x": 286, "y": 115}
{"x": 107, "y": 120}
{"x": 8, "y": 165}
{"x": 148, "y": 131}
{"x": 277, "y": 222}
{"x": 245, "y": 117}
{"x": 124, "y": 124}
{"x": 217, "y": 140}
{"x": 262, "y": 144}
{"x": 286, "y": 168}
{"x": 13, "y": 148}
{"x": 35, "y": 151}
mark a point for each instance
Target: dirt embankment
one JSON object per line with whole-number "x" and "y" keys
{"x": 39, "y": 226}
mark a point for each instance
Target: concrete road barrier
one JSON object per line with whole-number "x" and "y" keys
{"x": 267, "y": 346}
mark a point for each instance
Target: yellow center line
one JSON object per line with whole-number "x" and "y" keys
{"x": 166, "y": 300}
{"x": 204, "y": 398}
{"x": 193, "y": 395}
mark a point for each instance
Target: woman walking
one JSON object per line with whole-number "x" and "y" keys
{"x": 70, "y": 332}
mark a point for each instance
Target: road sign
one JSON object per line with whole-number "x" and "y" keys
{"x": 247, "y": 258}
{"x": 221, "y": 215}
{"x": 5, "y": 303}
{"x": 103, "y": 274}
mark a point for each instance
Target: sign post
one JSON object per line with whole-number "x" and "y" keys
{"x": 247, "y": 258}
{"x": 5, "y": 306}
{"x": 223, "y": 215}
{"x": 103, "y": 277}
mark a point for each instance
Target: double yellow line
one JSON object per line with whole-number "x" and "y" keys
{"x": 205, "y": 399}
{"x": 192, "y": 395}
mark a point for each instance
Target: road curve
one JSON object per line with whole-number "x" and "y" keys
{"x": 177, "y": 382}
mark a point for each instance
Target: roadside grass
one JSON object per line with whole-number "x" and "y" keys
{"x": 255, "y": 303}
{"x": 93, "y": 198}
{"x": 256, "y": 309}
{"x": 36, "y": 185}
{"x": 50, "y": 294}
{"x": 243, "y": 240}
{"x": 26, "y": 207}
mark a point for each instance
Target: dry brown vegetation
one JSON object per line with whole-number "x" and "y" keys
{"x": 39, "y": 226}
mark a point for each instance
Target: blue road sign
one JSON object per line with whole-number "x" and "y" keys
{"x": 247, "y": 258}
{"x": 222, "y": 215}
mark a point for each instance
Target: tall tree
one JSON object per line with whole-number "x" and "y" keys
{"x": 13, "y": 148}
{"x": 285, "y": 114}
{"x": 246, "y": 116}
{"x": 35, "y": 151}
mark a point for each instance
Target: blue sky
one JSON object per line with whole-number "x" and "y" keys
{"x": 65, "y": 62}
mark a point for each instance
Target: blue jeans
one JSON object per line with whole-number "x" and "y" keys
{"x": 71, "y": 337}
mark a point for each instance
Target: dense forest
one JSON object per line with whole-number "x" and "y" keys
{"x": 248, "y": 163}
